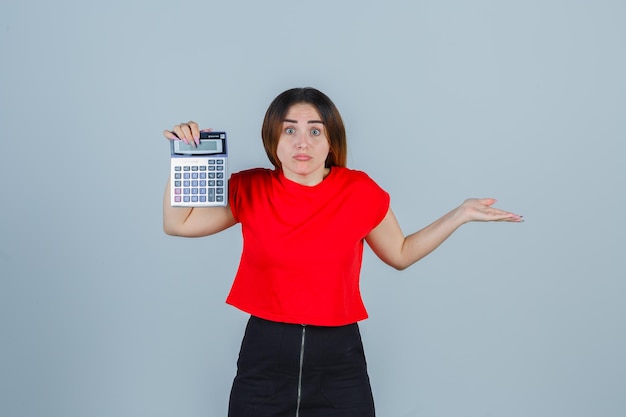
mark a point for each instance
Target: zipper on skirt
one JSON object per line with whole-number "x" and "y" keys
{"x": 300, "y": 371}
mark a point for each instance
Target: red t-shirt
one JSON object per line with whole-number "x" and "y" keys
{"x": 303, "y": 246}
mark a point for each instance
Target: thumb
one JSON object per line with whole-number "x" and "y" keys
{"x": 488, "y": 201}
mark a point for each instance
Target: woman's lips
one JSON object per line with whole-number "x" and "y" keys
{"x": 302, "y": 157}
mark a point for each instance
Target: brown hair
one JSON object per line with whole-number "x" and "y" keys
{"x": 333, "y": 124}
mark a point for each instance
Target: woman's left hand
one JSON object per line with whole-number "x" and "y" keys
{"x": 481, "y": 210}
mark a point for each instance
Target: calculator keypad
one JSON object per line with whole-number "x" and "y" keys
{"x": 198, "y": 182}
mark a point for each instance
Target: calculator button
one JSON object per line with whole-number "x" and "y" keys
{"x": 219, "y": 198}
{"x": 201, "y": 190}
{"x": 186, "y": 199}
{"x": 177, "y": 183}
{"x": 202, "y": 183}
{"x": 194, "y": 199}
{"x": 186, "y": 183}
{"x": 212, "y": 161}
{"x": 177, "y": 168}
{"x": 220, "y": 183}
{"x": 211, "y": 168}
{"x": 194, "y": 175}
{"x": 194, "y": 183}
{"x": 220, "y": 191}
{"x": 220, "y": 168}
{"x": 211, "y": 183}
{"x": 186, "y": 190}
{"x": 211, "y": 194}
{"x": 220, "y": 161}
{"x": 194, "y": 191}
{"x": 194, "y": 168}
{"x": 177, "y": 190}
{"x": 203, "y": 199}
{"x": 220, "y": 175}
{"x": 186, "y": 168}
{"x": 212, "y": 175}
{"x": 203, "y": 175}
{"x": 177, "y": 176}
{"x": 186, "y": 176}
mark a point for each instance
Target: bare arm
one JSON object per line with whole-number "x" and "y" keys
{"x": 400, "y": 252}
{"x": 194, "y": 222}
{"x": 186, "y": 221}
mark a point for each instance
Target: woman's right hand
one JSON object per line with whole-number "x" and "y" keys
{"x": 187, "y": 221}
{"x": 187, "y": 132}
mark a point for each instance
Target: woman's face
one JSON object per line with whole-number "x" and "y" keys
{"x": 303, "y": 145}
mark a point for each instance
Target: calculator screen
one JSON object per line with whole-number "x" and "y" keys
{"x": 205, "y": 146}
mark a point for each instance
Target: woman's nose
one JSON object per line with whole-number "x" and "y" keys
{"x": 302, "y": 141}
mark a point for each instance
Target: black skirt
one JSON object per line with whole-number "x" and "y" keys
{"x": 292, "y": 370}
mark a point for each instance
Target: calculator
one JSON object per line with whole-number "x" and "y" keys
{"x": 199, "y": 173}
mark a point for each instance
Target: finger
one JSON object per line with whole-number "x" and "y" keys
{"x": 184, "y": 133}
{"x": 195, "y": 131}
{"x": 517, "y": 219}
{"x": 169, "y": 135}
{"x": 509, "y": 217}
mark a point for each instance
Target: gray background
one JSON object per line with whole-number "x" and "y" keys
{"x": 101, "y": 314}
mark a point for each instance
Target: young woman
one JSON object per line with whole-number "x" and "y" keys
{"x": 304, "y": 225}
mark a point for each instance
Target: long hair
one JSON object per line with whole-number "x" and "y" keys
{"x": 333, "y": 123}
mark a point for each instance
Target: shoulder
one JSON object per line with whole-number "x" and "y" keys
{"x": 359, "y": 183}
{"x": 356, "y": 187}
{"x": 354, "y": 177}
{"x": 254, "y": 174}
{"x": 246, "y": 188}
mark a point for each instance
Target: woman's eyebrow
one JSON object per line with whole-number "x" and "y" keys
{"x": 310, "y": 121}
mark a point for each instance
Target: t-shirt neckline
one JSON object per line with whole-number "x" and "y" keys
{"x": 295, "y": 185}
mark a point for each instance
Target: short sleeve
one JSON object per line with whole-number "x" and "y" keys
{"x": 383, "y": 207}
{"x": 244, "y": 188}
{"x": 233, "y": 191}
{"x": 383, "y": 200}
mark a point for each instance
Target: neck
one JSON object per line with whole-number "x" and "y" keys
{"x": 307, "y": 180}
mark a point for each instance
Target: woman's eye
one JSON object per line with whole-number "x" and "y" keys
{"x": 316, "y": 132}
{"x": 290, "y": 131}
